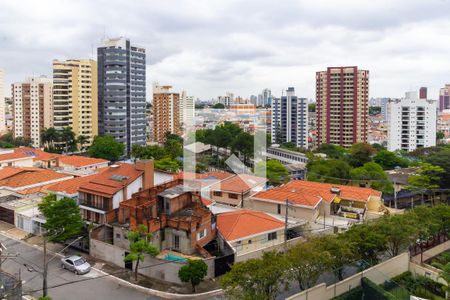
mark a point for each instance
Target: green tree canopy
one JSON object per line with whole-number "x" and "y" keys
{"x": 428, "y": 177}
{"x": 340, "y": 252}
{"x": 140, "y": 244}
{"x": 63, "y": 218}
{"x": 106, "y": 147}
{"x": 330, "y": 171}
{"x": 259, "y": 279}
{"x": 359, "y": 154}
{"x": 332, "y": 151}
{"x": 193, "y": 272}
{"x": 275, "y": 172}
{"x": 372, "y": 174}
{"x": 218, "y": 106}
{"x": 441, "y": 158}
{"x": 167, "y": 164}
{"x": 389, "y": 160}
{"x": 400, "y": 232}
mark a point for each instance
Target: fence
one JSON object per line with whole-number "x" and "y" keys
{"x": 378, "y": 274}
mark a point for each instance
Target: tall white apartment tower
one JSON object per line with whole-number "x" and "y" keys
{"x": 411, "y": 123}
{"x": 186, "y": 109}
{"x": 290, "y": 119}
{"x": 2, "y": 102}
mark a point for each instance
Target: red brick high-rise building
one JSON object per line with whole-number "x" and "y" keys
{"x": 342, "y": 95}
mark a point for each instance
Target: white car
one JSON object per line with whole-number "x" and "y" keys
{"x": 76, "y": 264}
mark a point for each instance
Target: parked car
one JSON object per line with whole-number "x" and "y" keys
{"x": 76, "y": 264}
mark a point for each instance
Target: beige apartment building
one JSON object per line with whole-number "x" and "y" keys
{"x": 75, "y": 98}
{"x": 342, "y": 95}
{"x": 32, "y": 108}
{"x": 166, "y": 112}
{"x": 2, "y": 103}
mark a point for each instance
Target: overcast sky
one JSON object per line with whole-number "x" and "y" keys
{"x": 211, "y": 47}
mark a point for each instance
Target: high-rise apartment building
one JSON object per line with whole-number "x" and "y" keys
{"x": 444, "y": 98}
{"x": 32, "y": 108}
{"x": 266, "y": 97}
{"x": 75, "y": 99}
{"x": 290, "y": 119}
{"x": 121, "y": 91}
{"x": 2, "y": 102}
{"x": 186, "y": 109}
{"x": 342, "y": 95}
{"x": 411, "y": 123}
{"x": 166, "y": 112}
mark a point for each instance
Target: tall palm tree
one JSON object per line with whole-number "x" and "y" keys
{"x": 67, "y": 136}
{"x": 49, "y": 136}
{"x": 81, "y": 140}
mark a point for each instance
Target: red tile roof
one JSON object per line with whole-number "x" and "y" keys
{"x": 70, "y": 186}
{"x": 13, "y": 155}
{"x": 239, "y": 183}
{"x": 294, "y": 197}
{"x": 105, "y": 184}
{"x": 220, "y": 175}
{"x": 243, "y": 223}
{"x": 37, "y": 154}
{"x": 81, "y": 161}
{"x": 324, "y": 190}
{"x": 17, "y": 177}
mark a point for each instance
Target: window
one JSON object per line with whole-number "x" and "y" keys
{"x": 176, "y": 242}
{"x": 232, "y": 196}
{"x": 218, "y": 194}
{"x": 279, "y": 208}
{"x": 272, "y": 236}
{"x": 201, "y": 234}
{"x": 118, "y": 236}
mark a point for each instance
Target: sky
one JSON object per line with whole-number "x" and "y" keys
{"x": 210, "y": 47}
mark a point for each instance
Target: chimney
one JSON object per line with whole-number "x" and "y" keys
{"x": 148, "y": 168}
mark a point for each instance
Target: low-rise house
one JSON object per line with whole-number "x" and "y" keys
{"x": 41, "y": 159}
{"x": 80, "y": 163}
{"x": 69, "y": 188}
{"x": 233, "y": 190}
{"x": 9, "y": 158}
{"x": 100, "y": 197}
{"x": 301, "y": 205}
{"x": 20, "y": 178}
{"x": 248, "y": 231}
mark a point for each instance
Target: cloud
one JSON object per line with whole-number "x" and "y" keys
{"x": 211, "y": 47}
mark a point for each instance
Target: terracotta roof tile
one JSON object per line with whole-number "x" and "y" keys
{"x": 37, "y": 154}
{"x": 239, "y": 183}
{"x": 297, "y": 198}
{"x": 105, "y": 184}
{"x": 242, "y": 223}
{"x": 13, "y": 155}
{"x": 17, "y": 177}
{"x": 81, "y": 161}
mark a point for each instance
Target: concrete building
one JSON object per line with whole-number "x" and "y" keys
{"x": 186, "y": 109}
{"x": 266, "y": 97}
{"x": 290, "y": 119}
{"x": 75, "y": 97}
{"x": 342, "y": 95}
{"x": 411, "y": 123}
{"x": 121, "y": 91}
{"x": 33, "y": 108}
{"x": 444, "y": 98}
{"x": 166, "y": 112}
{"x": 2, "y": 102}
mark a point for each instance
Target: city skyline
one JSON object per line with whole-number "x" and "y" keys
{"x": 242, "y": 48}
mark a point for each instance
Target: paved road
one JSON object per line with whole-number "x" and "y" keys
{"x": 74, "y": 287}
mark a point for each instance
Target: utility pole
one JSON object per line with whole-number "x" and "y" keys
{"x": 44, "y": 274}
{"x": 395, "y": 196}
{"x": 286, "y": 223}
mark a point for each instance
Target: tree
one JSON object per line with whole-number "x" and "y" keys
{"x": 367, "y": 243}
{"x": 259, "y": 279}
{"x": 428, "y": 177}
{"x": 312, "y": 107}
{"x": 62, "y": 217}
{"x": 276, "y": 173}
{"x": 360, "y": 153}
{"x": 106, "y": 147}
{"x": 341, "y": 253}
{"x": 193, "y": 272}
{"x": 140, "y": 244}
{"x": 440, "y": 135}
{"x": 67, "y": 137}
{"x": 332, "y": 151}
{"x": 374, "y": 110}
{"x": 389, "y": 160}
{"x": 218, "y": 106}
{"x": 167, "y": 164}
{"x": 49, "y": 136}
{"x": 330, "y": 171}
{"x": 445, "y": 275}
{"x": 82, "y": 140}
{"x": 244, "y": 144}
{"x": 399, "y": 230}
{"x": 441, "y": 157}
{"x": 148, "y": 152}
{"x": 173, "y": 148}
{"x": 306, "y": 263}
{"x": 372, "y": 174}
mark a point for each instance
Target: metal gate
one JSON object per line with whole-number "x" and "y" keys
{"x": 223, "y": 264}
{"x": 6, "y": 215}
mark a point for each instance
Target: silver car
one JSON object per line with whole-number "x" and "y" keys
{"x": 76, "y": 264}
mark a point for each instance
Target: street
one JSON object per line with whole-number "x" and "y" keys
{"x": 62, "y": 284}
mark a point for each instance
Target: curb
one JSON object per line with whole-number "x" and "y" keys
{"x": 148, "y": 291}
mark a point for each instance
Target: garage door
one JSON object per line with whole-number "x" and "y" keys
{"x": 6, "y": 215}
